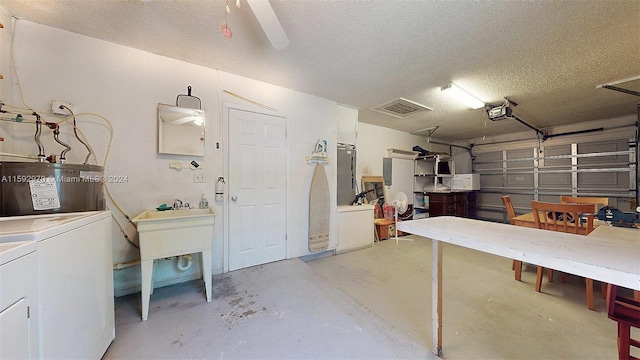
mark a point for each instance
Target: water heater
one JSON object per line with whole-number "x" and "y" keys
{"x": 33, "y": 188}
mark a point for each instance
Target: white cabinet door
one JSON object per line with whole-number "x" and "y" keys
{"x": 14, "y": 331}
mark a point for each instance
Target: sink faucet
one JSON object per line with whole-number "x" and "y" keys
{"x": 177, "y": 204}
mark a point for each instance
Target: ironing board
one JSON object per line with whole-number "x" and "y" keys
{"x": 319, "y": 214}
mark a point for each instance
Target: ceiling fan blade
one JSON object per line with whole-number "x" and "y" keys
{"x": 269, "y": 22}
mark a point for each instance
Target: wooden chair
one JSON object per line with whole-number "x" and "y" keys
{"x": 599, "y": 202}
{"x": 508, "y": 205}
{"x": 564, "y": 199}
{"x": 564, "y": 218}
{"x": 511, "y": 213}
{"x": 626, "y": 312}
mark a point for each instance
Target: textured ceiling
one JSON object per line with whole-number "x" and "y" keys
{"x": 547, "y": 56}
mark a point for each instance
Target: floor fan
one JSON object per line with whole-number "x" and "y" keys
{"x": 400, "y": 203}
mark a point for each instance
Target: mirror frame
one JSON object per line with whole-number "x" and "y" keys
{"x": 181, "y": 138}
{"x": 374, "y": 179}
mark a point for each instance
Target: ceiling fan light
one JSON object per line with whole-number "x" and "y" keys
{"x": 462, "y": 96}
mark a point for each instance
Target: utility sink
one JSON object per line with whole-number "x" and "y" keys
{"x": 151, "y": 215}
{"x": 173, "y": 233}
{"x": 182, "y": 220}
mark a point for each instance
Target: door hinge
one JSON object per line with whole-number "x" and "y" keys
{"x": 28, "y": 312}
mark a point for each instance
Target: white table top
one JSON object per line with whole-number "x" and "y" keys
{"x": 608, "y": 254}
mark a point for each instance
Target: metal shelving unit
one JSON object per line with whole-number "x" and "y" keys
{"x": 429, "y": 171}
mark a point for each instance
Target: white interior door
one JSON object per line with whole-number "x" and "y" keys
{"x": 257, "y": 188}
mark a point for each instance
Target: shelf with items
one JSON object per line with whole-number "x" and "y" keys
{"x": 423, "y": 178}
{"x": 420, "y": 205}
{"x": 443, "y": 161}
{"x": 430, "y": 172}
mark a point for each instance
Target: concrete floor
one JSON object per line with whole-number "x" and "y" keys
{"x": 368, "y": 304}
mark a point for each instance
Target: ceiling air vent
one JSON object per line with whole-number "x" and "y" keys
{"x": 401, "y": 108}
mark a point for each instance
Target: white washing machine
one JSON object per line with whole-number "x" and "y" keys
{"x": 75, "y": 280}
{"x": 18, "y": 300}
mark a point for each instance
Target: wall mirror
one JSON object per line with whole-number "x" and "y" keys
{"x": 374, "y": 185}
{"x": 180, "y": 130}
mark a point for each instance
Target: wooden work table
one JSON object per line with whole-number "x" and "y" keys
{"x": 608, "y": 254}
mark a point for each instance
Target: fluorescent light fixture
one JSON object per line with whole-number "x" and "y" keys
{"x": 463, "y": 96}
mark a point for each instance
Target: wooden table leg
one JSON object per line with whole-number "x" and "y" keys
{"x": 589, "y": 285}
{"x": 517, "y": 266}
{"x": 436, "y": 298}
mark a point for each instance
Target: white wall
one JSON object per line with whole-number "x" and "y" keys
{"x": 5, "y": 45}
{"x": 347, "y": 124}
{"x": 125, "y": 85}
{"x": 373, "y": 142}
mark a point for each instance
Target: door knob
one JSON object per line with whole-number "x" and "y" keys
{"x": 234, "y": 198}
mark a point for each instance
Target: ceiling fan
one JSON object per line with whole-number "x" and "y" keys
{"x": 269, "y": 22}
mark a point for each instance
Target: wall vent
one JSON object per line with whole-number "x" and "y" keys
{"x": 401, "y": 108}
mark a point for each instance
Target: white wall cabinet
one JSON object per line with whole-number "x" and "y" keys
{"x": 355, "y": 227}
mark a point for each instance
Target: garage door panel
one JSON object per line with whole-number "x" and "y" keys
{"x": 520, "y": 180}
{"x": 557, "y": 151}
{"x": 491, "y": 181}
{"x": 606, "y": 168}
{"x": 520, "y": 154}
{"x": 555, "y": 180}
{"x": 600, "y": 147}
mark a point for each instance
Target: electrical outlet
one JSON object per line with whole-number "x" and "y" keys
{"x": 199, "y": 177}
{"x": 55, "y": 107}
